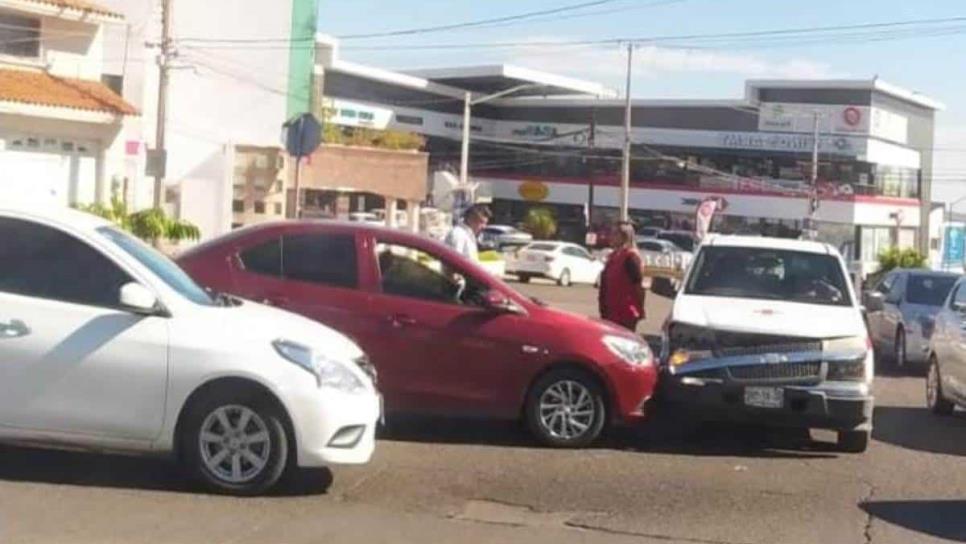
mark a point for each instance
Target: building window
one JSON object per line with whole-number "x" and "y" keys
{"x": 114, "y": 83}
{"x": 409, "y": 120}
{"x": 238, "y": 206}
{"x": 19, "y": 36}
{"x": 278, "y": 208}
{"x": 260, "y": 207}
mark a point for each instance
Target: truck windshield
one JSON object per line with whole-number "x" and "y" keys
{"x": 762, "y": 273}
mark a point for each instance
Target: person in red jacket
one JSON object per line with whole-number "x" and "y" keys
{"x": 621, "y": 295}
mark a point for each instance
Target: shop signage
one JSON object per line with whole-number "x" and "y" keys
{"x": 785, "y": 142}
{"x": 545, "y": 132}
{"x": 954, "y": 245}
{"x": 534, "y": 191}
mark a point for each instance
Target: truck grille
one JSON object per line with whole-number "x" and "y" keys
{"x": 780, "y": 371}
{"x": 792, "y": 347}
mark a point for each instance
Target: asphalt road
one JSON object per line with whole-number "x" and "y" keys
{"x": 443, "y": 481}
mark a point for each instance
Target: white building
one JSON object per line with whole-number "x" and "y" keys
{"x": 64, "y": 133}
{"x": 234, "y": 81}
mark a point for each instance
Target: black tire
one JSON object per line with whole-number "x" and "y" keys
{"x": 266, "y": 419}
{"x": 564, "y": 279}
{"x": 542, "y": 422}
{"x": 523, "y": 278}
{"x": 853, "y": 441}
{"x": 935, "y": 400}
{"x": 899, "y": 355}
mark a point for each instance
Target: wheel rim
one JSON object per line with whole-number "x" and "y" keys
{"x": 565, "y": 277}
{"x": 932, "y": 385}
{"x": 235, "y": 443}
{"x": 567, "y": 410}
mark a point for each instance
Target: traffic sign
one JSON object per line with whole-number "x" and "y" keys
{"x": 303, "y": 134}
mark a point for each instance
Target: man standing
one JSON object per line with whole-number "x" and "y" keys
{"x": 621, "y": 295}
{"x": 462, "y": 237}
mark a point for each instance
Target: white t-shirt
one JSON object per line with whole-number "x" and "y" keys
{"x": 463, "y": 241}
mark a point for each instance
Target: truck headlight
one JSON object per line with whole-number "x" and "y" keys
{"x": 630, "y": 351}
{"x": 328, "y": 372}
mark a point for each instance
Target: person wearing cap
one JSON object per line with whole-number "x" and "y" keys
{"x": 462, "y": 238}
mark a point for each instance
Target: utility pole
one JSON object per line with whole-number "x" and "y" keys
{"x": 813, "y": 190}
{"x": 626, "y": 169}
{"x": 163, "y": 74}
{"x": 465, "y": 144}
{"x": 591, "y": 144}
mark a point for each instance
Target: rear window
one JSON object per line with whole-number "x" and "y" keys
{"x": 762, "y": 273}
{"x": 929, "y": 290}
{"x": 542, "y": 247}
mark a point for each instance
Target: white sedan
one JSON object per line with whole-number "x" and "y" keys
{"x": 107, "y": 345}
{"x": 562, "y": 262}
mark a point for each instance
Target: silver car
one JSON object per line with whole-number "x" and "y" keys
{"x": 901, "y": 311}
{"x": 946, "y": 380}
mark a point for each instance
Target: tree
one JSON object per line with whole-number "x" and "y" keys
{"x": 541, "y": 223}
{"x": 894, "y": 257}
{"x": 151, "y": 225}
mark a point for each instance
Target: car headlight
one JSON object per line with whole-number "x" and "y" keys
{"x": 848, "y": 344}
{"x": 328, "y": 372}
{"x": 631, "y": 351}
{"x": 687, "y": 343}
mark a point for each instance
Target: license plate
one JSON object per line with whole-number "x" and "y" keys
{"x": 765, "y": 397}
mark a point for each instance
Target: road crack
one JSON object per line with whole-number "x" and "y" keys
{"x": 638, "y": 534}
{"x": 869, "y": 518}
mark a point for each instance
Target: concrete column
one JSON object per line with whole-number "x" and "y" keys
{"x": 391, "y": 207}
{"x": 413, "y": 209}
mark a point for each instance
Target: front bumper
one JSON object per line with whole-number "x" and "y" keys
{"x": 332, "y": 427}
{"x": 838, "y": 406}
{"x": 632, "y": 389}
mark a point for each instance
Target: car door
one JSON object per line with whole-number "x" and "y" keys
{"x": 592, "y": 266}
{"x": 953, "y": 352}
{"x": 876, "y": 318}
{"x": 892, "y": 312}
{"x": 71, "y": 359}
{"x": 307, "y": 270}
{"x": 579, "y": 264}
{"x": 439, "y": 352}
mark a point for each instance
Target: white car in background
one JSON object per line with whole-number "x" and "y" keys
{"x": 562, "y": 262}
{"x": 500, "y": 236}
{"x": 107, "y": 345}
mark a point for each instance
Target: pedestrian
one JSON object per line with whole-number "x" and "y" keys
{"x": 462, "y": 237}
{"x": 621, "y": 295}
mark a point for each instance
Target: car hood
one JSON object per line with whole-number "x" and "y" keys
{"x": 250, "y": 322}
{"x": 564, "y": 320}
{"x": 772, "y": 317}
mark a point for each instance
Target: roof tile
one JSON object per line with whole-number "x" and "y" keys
{"x": 44, "y": 89}
{"x": 80, "y": 5}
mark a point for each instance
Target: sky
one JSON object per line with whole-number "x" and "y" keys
{"x": 931, "y": 63}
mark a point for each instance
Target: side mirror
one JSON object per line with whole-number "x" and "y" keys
{"x": 496, "y": 301}
{"x": 138, "y": 299}
{"x": 874, "y": 301}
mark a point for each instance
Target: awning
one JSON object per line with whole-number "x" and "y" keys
{"x": 492, "y": 79}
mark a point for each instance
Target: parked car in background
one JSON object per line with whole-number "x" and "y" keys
{"x": 502, "y": 236}
{"x": 105, "y": 344}
{"x": 946, "y": 377}
{"x": 446, "y": 337}
{"x": 368, "y": 218}
{"x": 649, "y": 232}
{"x": 665, "y": 262}
{"x": 768, "y": 331}
{"x": 562, "y": 262}
{"x": 684, "y": 239}
{"x": 901, "y": 311}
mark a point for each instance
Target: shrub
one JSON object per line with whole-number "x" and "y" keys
{"x": 894, "y": 257}
{"x": 541, "y": 223}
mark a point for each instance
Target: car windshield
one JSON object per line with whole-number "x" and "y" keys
{"x": 763, "y": 273}
{"x": 542, "y": 247}
{"x": 929, "y": 290}
{"x": 161, "y": 266}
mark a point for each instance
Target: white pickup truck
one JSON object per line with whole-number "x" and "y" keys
{"x": 769, "y": 331}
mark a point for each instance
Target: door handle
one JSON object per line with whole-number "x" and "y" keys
{"x": 401, "y": 320}
{"x": 13, "y": 329}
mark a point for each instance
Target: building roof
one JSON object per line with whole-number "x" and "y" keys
{"x": 875, "y": 84}
{"x": 78, "y": 5}
{"x": 502, "y": 77}
{"x": 44, "y": 89}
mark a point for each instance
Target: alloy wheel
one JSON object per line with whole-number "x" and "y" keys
{"x": 566, "y": 410}
{"x": 235, "y": 443}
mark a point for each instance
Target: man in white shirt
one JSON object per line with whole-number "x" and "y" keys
{"x": 462, "y": 237}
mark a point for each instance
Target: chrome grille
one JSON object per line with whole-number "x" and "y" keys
{"x": 780, "y": 371}
{"x": 793, "y": 347}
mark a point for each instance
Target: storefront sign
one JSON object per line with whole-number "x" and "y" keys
{"x": 534, "y": 191}
{"x": 834, "y": 119}
{"x": 786, "y": 142}
{"x": 954, "y": 245}
{"x": 536, "y": 132}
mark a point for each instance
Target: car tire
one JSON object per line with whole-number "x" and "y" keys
{"x": 935, "y": 400}
{"x": 564, "y": 279}
{"x": 853, "y": 441}
{"x": 566, "y": 409}
{"x": 523, "y": 278}
{"x": 899, "y": 356}
{"x": 226, "y": 459}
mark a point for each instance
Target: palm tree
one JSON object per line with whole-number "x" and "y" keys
{"x": 151, "y": 225}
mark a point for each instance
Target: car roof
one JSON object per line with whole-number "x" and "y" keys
{"x": 766, "y": 242}
{"x": 62, "y": 216}
{"x": 927, "y": 272}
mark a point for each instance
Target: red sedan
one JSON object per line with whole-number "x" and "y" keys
{"x": 445, "y": 336}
